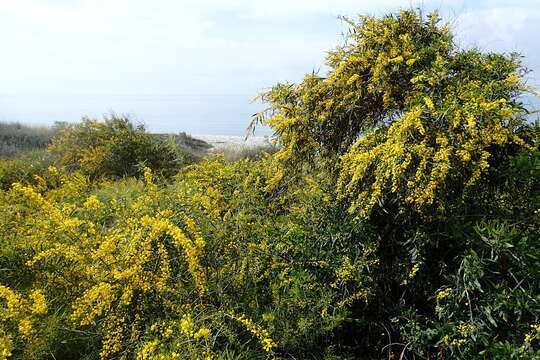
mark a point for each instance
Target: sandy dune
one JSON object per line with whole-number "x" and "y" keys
{"x": 219, "y": 142}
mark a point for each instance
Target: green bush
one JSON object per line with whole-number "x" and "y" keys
{"x": 17, "y": 139}
{"x": 427, "y": 145}
{"x": 324, "y": 250}
{"x": 114, "y": 147}
{"x": 23, "y": 169}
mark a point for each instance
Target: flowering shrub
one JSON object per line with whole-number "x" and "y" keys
{"x": 411, "y": 117}
{"x": 114, "y": 147}
{"x": 413, "y": 235}
{"x": 23, "y": 169}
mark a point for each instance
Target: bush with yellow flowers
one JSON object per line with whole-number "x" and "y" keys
{"x": 23, "y": 168}
{"x": 432, "y": 147}
{"x": 399, "y": 219}
{"x": 141, "y": 269}
{"x": 404, "y": 116}
{"x": 113, "y": 147}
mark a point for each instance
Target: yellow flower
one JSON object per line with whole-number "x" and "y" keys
{"x": 25, "y": 327}
{"x": 92, "y": 203}
{"x": 444, "y": 293}
{"x": 39, "y": 305}
{"x": 262, "y": 334}
{"x": 410, "y": 62}
{"x": 6, "y": 347}
{"x": 429, "y": 103}
{"x": 203, "y": 333}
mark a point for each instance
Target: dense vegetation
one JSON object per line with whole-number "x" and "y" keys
{"x": 112, "y": 148}
{"x": 399, "y": 219}
{"x": 17, "y": 139}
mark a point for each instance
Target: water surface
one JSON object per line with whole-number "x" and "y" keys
{"x": 216, "y": 114}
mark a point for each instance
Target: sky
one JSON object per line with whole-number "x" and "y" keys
{"x": 193, "y": 66}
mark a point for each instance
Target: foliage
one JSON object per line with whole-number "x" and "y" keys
{"x": 17, "y": 139}
{"x": 126, "y": 263}
{"x": 114, "y": 147}
{"x": 413, "y": 235}
{"x": 23, "y": 168}
{"x": 411, "y": 116}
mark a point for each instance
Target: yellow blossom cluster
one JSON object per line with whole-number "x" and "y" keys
{"x": 19, "y": 319}
{"x": 454, "y": 342}
{"x": 170, "y": 339}
{"x": 401, "y": 117}
{"x": 444, "y": 293}
{"x": 117, "y": 269}
{"x": 260, "y": 333}
{"x": 413, "y": 272}
{"x": 533, "y": 334}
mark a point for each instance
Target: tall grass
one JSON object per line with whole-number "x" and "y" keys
{"x": 235, "y": 152}
{"x": 193, "y": 149}
{"x": 17, "y": 139}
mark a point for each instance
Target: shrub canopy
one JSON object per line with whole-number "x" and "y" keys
{"x": 399, "y": 220}
{"x": 404, "y": 116}
{"x": 114, "y": 147}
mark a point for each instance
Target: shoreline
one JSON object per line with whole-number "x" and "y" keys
{"x": 229, "y": 141}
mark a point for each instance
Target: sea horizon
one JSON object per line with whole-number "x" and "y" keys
{"x": 212, "y": 114}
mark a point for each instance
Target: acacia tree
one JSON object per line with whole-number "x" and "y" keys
{"x": 429, "y": 145}
{"x": 403, "y": 116}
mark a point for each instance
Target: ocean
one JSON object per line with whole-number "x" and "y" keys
{"x": 213, "y": 114}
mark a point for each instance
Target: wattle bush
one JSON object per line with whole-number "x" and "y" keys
{"x": 114, "y": 147}
{"x": 23, "y": 169}
{"x": 399, "y": 219}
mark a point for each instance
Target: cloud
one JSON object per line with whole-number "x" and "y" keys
{"x": 505, "y": 25}
{"x": 40, "y": 14}
{"x": 205, "y": 45}
{"x": 504, "y": 29}
{"x": 263, "y": 9}
{"x": 134, "y": 46}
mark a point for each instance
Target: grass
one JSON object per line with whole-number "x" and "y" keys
{"x": 17, "y": 139}
{"x": 238, "y": 152}
{"x": 199, "y": 148}
{"x": 186, "y": 144}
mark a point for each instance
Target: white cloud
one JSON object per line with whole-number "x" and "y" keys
{"x": 264, "y": 9}
{"x": 507, "y": 26}
{"x": 504, "y": 29}
{"x": 135, "y": 46}
{"x": 40, "y": 14}
{"x": 171, "y": 45}
{"x": 206, "y": 46}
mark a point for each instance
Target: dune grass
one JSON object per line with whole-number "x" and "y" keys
{"x": 235, "y": 152}
{"x": 17, "y": 139}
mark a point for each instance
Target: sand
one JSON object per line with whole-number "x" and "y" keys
{"x": 220, "y": 142}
